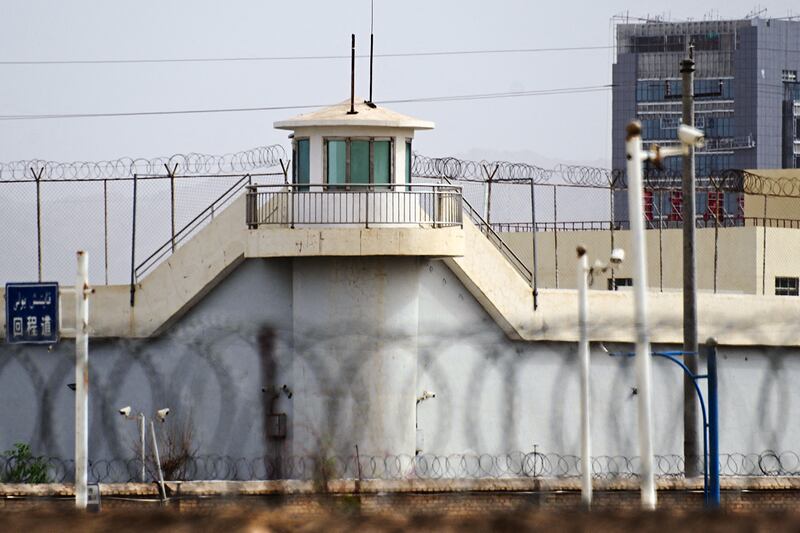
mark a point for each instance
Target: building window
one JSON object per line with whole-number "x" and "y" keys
{"x": 787, "y": 286}
{"x": 616, "y": 283}
{"x": 382, "y": 162}
{"x": 408, "y": 161}
{"x": 336, "y": 171}
{"x": 358, "y": 161}
{"x": 301, "y": 171}
{"x": 789, "y": 75}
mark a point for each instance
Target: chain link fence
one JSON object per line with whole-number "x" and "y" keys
{"x": 746, "y": 238}
{"x": 54, "y": 209}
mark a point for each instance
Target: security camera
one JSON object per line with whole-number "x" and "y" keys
{"x": 162, "y": 414}
{"x": 426, "y": 395}
{"x": 691, "y": 136}
{"x": 125, "y": 411}
{"x": 617, "y": 256}
{"x": 287, "y": 391}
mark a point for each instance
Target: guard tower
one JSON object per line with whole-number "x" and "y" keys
{"x": 351, "y": 165}
{"x": 369, "y": 145}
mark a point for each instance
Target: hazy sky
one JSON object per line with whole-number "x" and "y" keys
{"x": 538, "y": 128}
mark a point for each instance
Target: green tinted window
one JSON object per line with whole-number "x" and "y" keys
{"x": 381, "y": 155}
{"x": 302, "y": 164}
{"x": 408, "y": 161}
{"x": 359, "y": 161}
{"x": 337, "y": 161}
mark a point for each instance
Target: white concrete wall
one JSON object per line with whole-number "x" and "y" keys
{"x": 356, "y": 340}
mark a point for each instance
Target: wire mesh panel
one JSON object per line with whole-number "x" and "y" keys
{"x": 72, "y": 220}
{"x": 119, "y": 201}
{"x": 18, "y": 240}
{"x": 153, "y": 216}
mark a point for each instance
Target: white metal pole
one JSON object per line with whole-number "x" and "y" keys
{"x": 583, "y": 358}
{"x": 158, "y": 460}
{"x": 142, "y": 425}
{"x": 633, "y": 149}
{"x": 82, "y": 291}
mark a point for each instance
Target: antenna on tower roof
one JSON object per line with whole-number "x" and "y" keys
{"x": 352, "y": 75}
{"x": 369, "y": 101}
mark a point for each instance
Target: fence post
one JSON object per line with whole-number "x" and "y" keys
{"x": 764, "y": 252}
{"x": 250, "y": 218}
{"x": 105, "y": 228}
{"x": 436, "y": 210}
{"x": 38, "y": 178}
{"x": 133, "y": 245}
{"x": 555, "y": 230}
{"x": 171, "y": 174}
{"x": 487, "y": 204}
{"x": 285, "y": 170}
{"x": 534, "y": 280}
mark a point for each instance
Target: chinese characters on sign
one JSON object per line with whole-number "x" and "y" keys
{"x": 32, "y": 313}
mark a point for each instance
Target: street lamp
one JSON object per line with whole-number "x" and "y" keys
{"x": 161, "y": 414}
{"x": 636, "y": 155}
{"x": 585, "y": 277}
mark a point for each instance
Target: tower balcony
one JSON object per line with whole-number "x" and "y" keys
{"x": 354, "y": 205}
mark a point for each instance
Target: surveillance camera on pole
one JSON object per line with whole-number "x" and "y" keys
{"x": 161, "y": 414}
{"x": 585, "y": 276}
{"x": 636, "y": 155}
{"x": 126, "y": 412}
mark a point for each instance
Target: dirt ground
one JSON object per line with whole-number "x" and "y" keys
{"x": 253, "y": 519}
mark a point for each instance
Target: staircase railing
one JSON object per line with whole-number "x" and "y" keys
{"x": 496, "y": 240}
{"x": 208, "y": 213}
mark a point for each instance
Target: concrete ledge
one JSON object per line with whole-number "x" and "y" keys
{"x": 274, "y": 241}
{"x": 351, "y": 486}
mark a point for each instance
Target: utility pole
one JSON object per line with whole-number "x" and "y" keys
{"x": 82, "y": 291}
{"x": 635, "y": 157}
{"x": 582, "y": 271}
{"x": 691, "y": 436}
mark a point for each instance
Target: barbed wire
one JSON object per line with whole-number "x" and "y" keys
{"x": 466, "y": 170}
{"x": 588, "y": 176}
{"x": 124, "y": 168}
{"x": 765, "y": 185}
{"x": 512, "y": 465}
{"x": 730, "y": 180}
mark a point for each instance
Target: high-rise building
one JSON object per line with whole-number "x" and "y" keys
{"x": 747, "y": 96}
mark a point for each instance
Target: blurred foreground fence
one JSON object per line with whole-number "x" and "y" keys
{"x": 391, "y": 467}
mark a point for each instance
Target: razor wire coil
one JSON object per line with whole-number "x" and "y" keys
{"x": 513, "y": 465}
{"x": 124, "y": 168}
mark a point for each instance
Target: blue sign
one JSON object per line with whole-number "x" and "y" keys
{"x": 32, "y": 313}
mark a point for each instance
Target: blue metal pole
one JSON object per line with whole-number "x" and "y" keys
{"x": 713, "y": 423}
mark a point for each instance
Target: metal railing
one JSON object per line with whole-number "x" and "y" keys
{"x": 702, "y": 221}
{"x": 195, "y": 224}
{"x": 365, "y": 205}
{"x": 498, "y": 242}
